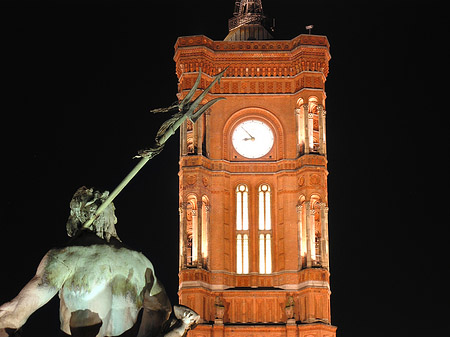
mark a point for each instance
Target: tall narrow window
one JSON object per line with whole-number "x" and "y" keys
{"x": 205, "y": 228}
{"x": 268, "y": 254}
{"x": 242, "y": 233}
{"x": 192, "y": 231}
{"x": 245, "y": 255}
{"x": 265, "y": 230}
{"x": 239, "y": 266}
{"x": 317, "y": 222}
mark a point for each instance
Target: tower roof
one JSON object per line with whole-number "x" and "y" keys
{"x": 248, "y": 22}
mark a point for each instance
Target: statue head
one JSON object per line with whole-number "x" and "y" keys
{"x": 83, "y": 206}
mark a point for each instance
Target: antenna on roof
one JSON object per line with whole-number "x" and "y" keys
{"x": 309, "y": 28}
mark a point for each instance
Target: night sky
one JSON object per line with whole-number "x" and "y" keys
{"x": 79, "y": 78}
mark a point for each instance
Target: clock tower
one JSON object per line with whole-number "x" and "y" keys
{"x": 254, "y": 256}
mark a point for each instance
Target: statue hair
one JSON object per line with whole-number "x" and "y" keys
{"x": 83, "y": 206}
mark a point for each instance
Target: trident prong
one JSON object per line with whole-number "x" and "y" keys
{"x": 186, "y": 110}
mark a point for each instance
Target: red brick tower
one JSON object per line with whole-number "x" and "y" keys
{"x": 253, "y": 183}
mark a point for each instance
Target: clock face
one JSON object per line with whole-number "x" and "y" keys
{"x": 252, "y": 138}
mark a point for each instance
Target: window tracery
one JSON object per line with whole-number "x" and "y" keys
{"x": 265, "y": 229}
{"x": 242, "y": 230}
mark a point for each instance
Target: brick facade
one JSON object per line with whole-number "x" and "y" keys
{"x": 282, "y": 84}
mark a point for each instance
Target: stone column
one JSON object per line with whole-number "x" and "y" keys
{"x": 199, "y": 232}
{"x": 306, "y": 127}
{"x": 183, "y": 235}
{"x": 299, "y": 128}
{"x": 308, "y": 235}
{"x": 324, "y": 240}
{"x": 300, "y": 237}
{"x": 205, "y": 235}
{"x": 195, "y": 237}
{"x": 199, "y": 127}
{"x": 320, "y": 113}
{"x": 322, "y": 131}
{"x": 312, "y": 235}
{"x": 208, "y": 127}
{"x": 311, "y": 131}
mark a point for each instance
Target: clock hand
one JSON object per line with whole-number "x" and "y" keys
{"x": 252, "y": 138}
{"x": 248, "y": 133}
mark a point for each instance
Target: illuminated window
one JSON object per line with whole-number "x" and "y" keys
{"x": 242, "y": 208}
{"x": 265, "y": 254}
{"x": 205, "y": 228}
{"x": 242, "y": 259}
{"x": 192, "y": 231}
{"x": 265, "y": 230}
{"x": 265, "y": 222}
{"x": 316, "y": 228}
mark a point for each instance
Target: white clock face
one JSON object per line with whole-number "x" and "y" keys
{"x": 252, "y": 138}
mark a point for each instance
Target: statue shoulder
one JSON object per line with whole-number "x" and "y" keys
{"x": 142, "y": 258}
{"x": 54, "y": 268}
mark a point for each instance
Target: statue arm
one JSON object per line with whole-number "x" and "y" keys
{"x": 157, "y": 307}
{"x": 34, "y": 295}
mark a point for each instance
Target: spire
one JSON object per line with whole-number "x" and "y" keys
{"x": 248, "y": 22}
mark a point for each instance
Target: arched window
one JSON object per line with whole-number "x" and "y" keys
{"x": 192, "y": 231}
{"x": 265, "y": 220}
{"x": 316, "y": 229}
{"x": 310, "y": 116}
{"x": 299, "y": 119}
{"x": 242, "y": 232}
{"x": 313, "y": 232}
{"x": 313, "y": 126}
{"x": 265, "y": 229}
{"x": 301, "y": 221}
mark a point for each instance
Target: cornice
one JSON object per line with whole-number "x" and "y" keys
{"x": 318, "y": 41}
{"x": 266, "y": 58}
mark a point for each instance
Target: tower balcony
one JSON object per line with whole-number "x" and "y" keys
{"x": 244, "y": 301}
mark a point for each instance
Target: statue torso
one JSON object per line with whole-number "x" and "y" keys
{"x": 103, "y": 279}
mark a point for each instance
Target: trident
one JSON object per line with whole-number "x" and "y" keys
{"x": 186, "y": 109}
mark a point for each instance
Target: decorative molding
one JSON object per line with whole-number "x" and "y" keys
{"x": 316, "y": 161}
{"x": 301, "y": 181}
{"x": 204, "y": 285}
{"x": 263, "y": 85}
{"x": 314, "y": 179}
{"x": 305, "y": 284}
{"x": 191, "y": 180}
{"x": 269, "y": 67}
{"x": 221, "y": 287}
{"x": 284, "y": 280}
{"x": 272, "y": 45}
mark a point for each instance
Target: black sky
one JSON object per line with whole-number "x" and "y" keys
{"x": 79, "y": 77}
